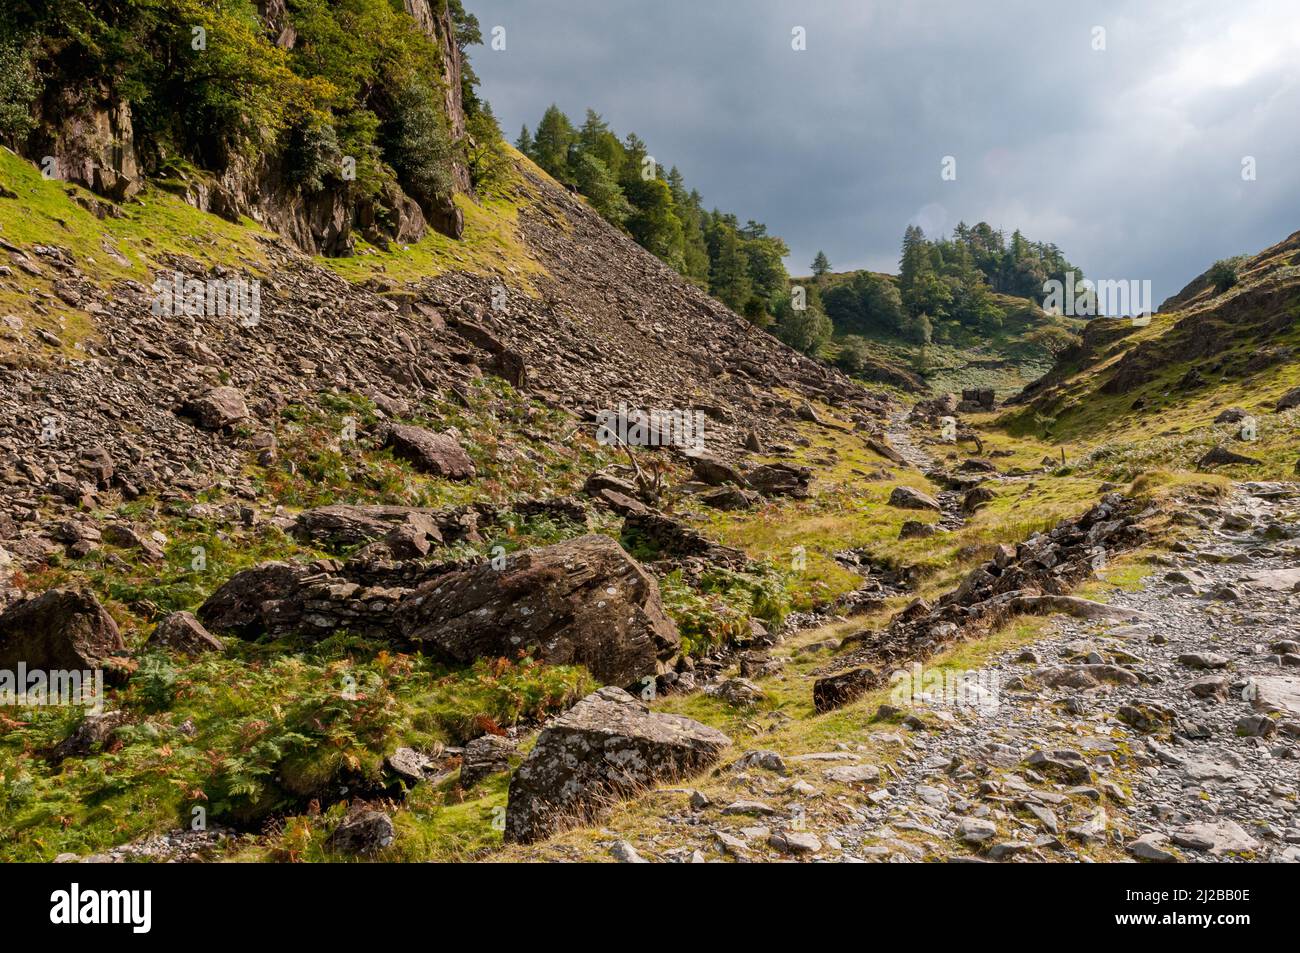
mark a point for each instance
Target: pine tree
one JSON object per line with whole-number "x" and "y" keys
{"x": 914, "y": 265}
{"x": 602, "y": 191}
{"x": 729, "y": 273}
{"x": 595, "y": 138}
{"x": 525, "y": 142}
{"x": 554, "y": 138}
{"x": 821, "y": 265}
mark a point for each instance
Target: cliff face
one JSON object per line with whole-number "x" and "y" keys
{"x": 440, "y": 27}
{"x": 90, "y": 135}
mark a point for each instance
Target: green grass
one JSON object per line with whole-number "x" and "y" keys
{"x": 491, "y": 243}
{"x": 267, "y": 731}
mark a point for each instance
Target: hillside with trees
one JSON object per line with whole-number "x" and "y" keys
{"x": 740, "y": 265}
{"x": 962, "y": 311}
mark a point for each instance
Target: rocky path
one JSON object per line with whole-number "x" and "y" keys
{"x": 1168, "y": 733}
{"x": 901, "y": 436}
{"x": 1174, "y": 738}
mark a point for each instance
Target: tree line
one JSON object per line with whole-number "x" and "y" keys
{"x": 944, "y": 286}
{"x": 740, "y": 265}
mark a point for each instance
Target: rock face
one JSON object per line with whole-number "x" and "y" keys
{"x": 581, "y": 602}
{"x": 64, "y": 629}
{"x": 607, "y": 747}
{"x": 436, "y": 453}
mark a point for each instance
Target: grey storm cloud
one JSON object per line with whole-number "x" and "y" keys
{"x": 1128, "y": 157}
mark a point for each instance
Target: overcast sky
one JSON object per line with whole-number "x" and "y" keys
{"x": 1129, "y": 157}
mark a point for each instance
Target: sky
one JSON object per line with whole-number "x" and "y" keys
{"x": 1121, "y": 131}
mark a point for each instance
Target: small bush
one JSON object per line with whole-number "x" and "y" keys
{"x": 853, "y": 354}
{"x": 1224, "y": 274}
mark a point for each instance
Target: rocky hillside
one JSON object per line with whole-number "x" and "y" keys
{"x": 329, "y": 536}
{"x": 1214, "y": 370}
{"x": 225, "y": 461}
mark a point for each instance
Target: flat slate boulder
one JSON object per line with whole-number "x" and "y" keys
{"x": 429, "y": 452}
{"x": 907, "y": 498}
{"x": 344, "y": 524}
{"x": 217, "y": 408}
{"x": 186, "y": 634}
{"x": 1279, "y": 694}
{"x": 608, "y": 747}
{"x": 61, "y": 630}
{"x": 580, "y": 602}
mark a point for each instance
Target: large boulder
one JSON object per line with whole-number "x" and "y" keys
{"x": 439, "y": 454}
{"x": 242, "y": 604}
{"x": 908, "y": 498}
{"x": 217, "y": 408}
{"x": 711, "y": 469}
{"x": 63, "y": 630}
{"x": 183, "y": 633}
{"x": 607, "y": 747}
{"x": 581, "y": 602}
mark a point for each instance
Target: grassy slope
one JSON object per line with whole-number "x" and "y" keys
{"x": 1172, "y": 427}
{"x": 244, "y": 704}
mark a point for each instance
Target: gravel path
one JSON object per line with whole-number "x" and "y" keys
{"x": 1175, "y": 738}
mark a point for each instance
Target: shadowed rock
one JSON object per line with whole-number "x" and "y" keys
{"x": 581, "y": 602}
{"x": 834, "y": 691}
{"x": 63, "y": 629}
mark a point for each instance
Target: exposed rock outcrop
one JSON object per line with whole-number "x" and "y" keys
{"x": 61, "y": 630}
{"x": 607, "y": 747}
{"x": 581, "y": 602}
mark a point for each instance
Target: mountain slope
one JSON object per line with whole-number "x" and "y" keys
{"x": 1149, "y": 395}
